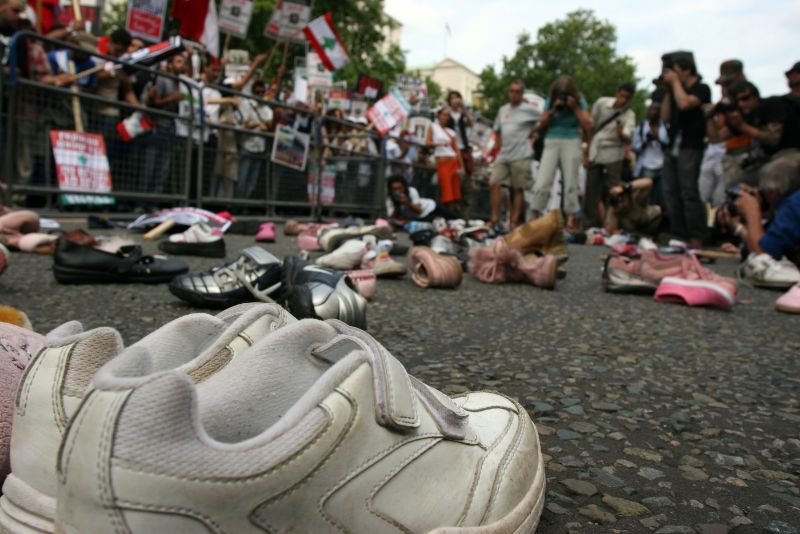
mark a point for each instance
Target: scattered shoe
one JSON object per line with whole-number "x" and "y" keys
{"x": 292, "y": 227}
{"x": 364, "y": 282}
{"x": 198, "y": 240}
{"x": 254, "y": 276}
{"x": 762, "y": 270}
{"x": 312, "y": 291}
{"x": 79, "y": 264}
{"x": 545, "y": 234}
{"x": 498, "y": 263}
{"x": 416, "y": 226}
{"x": 331, "y": 238}
{"x": 790, "y": 301}
{"x": 348, "y": 256}
{"x": 308, "y": 241}
{"x": 4, "y": 255}
{"x": 624, "y": 275}
{"x": 316, "y": 428}
{"x": 695, "y": 293}
{"x": 429, "y": 269}
{"x": 443, "y": 245}
{"x": 195, "y": 345}
{"x": 382, "y": 265}
{"x": 266, "y": 233}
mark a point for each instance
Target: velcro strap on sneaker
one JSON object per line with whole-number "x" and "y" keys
{"x": 395, "y": 400}
{"x": 260, "y": 256}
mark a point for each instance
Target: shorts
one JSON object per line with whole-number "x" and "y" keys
{"x": 516, "y": 174}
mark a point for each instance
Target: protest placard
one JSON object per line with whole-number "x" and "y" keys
{"x": 234, "y": 17}
{"x": 388, "y": 111}
{"x": 369, "y": 88}
{"x": 145, "y": 19}
{"x": 290, "y": 148}
{"x": 287, "y": 22}
{"x": 419, "y": 126}
{"x": 81, "y": 165}
{"x": 318, "y": 75}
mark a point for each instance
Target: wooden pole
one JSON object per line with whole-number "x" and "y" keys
{"x": 76, "y": 10}
{"x": 282, "y": 68}
{"x": 39, "y": 17}
{"x": 77, "y": 116}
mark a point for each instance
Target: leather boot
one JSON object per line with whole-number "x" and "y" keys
{"x": 540, "y": 234}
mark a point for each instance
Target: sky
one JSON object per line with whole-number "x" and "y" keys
{"x": 763, "y": 34}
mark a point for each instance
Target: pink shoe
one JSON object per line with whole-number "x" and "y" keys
{"x": 383, "y": 222}
{"x": 306, "y": 241}
{"x": 498, "y": 263}
{"x": 790, "y": 301}
{"x": 364, "y": 281}
{"x": 694, "y": 293}
{"x": 3, "y": 258}
{"x": 292, "y": 227}
{"x": 266, "y": 232}
{"x": 17, "y": 346}
{"x": 429, "y": 269}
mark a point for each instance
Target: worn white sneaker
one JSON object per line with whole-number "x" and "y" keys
{"x": 314, "y": 429}
{"x": 765, "y": 271}
{"x": 60, "y": 375}
{"x": 347, "y": 256}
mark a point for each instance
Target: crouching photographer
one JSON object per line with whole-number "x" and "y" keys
{"x": 770, "y": 215}
{"x": 628, "y": 208}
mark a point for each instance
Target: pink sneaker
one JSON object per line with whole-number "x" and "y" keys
{"x": 364, "y": 281}
{"x": 383, "y": 222}
{"x": 292, "y": 227}
{"x": 694, "y": 293}
{"x": 790, "y": 301}
{"x": 307, "y": 241}
{"x": 266, "y": 232}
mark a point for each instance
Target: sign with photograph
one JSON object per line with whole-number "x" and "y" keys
{"x": 290, "y": 148}
{"x": 317, "y": 74}
{"x": 338, "y": 99}
{"x": 369, "y": 88}
{"x": 81, "y": 165}
{"x": 287, "y": 22}
{"x": 234, "y": 17}
{"x": 419, "y": 126}
{"x": 358, "y": 108}
{"x": 327, "y": 183}
{"x": 389, "y": 111}
{"x": 146, "y": 19}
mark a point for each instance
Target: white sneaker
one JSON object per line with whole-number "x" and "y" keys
{"x": 59, "y": 377}
{"x": 347, "y": 256}
{"x": 763, "y": 270}
{"x": 314, "y": 429}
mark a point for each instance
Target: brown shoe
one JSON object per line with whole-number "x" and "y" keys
{"x": 545, "y": 234}
{"x": 429, "y": 269}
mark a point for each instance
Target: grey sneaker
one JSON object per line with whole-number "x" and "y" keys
{"x": 316, "y": 428}
{"x": 254, "y": 276}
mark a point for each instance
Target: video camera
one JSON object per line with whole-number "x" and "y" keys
{"x": 561, "y": 99}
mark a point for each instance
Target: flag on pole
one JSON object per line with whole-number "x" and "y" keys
{"x": 323, "y": 37}
{"x": 198, "y": 21}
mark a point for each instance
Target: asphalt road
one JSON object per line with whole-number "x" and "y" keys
{"x": 652, "y": 416}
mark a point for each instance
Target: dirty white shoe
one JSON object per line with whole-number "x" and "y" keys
{"x": 765, "y": 271}
{"x": 316, "y": 428}
{"x": 59, "y": 376}
{"x": 347, "y": 256}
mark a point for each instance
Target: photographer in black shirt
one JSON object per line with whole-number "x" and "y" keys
{"x": 682, "y": 112}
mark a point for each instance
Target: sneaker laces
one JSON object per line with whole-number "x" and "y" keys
{"x": 232, "y": 274}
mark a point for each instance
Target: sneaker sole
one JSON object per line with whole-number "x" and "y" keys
{"x": 680, "y": 282}
{"x": 381, "y": 232}
{"x": 787, "y": 309}
{"x": 68, "y": 275}
{"x": 32, "y": 512}
{"x": 615, "y": 281}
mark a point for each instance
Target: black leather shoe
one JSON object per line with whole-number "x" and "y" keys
{"x": 78, "y": 264}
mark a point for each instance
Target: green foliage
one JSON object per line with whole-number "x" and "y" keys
{"x": 435, "y": 92}
{"x": 580, "y": 46}
{"x": 114, "y": 16}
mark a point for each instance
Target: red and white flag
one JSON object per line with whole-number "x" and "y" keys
{"x": 198, "y": 21}
{"x": 323, "y": 37}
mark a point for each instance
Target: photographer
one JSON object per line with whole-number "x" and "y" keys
{"x": 561, "y": 124}
{"x": 614, "y": 123}
{"x": 628, "y": 208}
{"x": 403, "y": 204}
{"x": 681, "y": 111}
{"x": 649, "y": 140}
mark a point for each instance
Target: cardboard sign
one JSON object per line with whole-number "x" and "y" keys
{"x": 81, "y": 165}
{"x": 388, "y": 111}
{"x": 318, "y": 75}
{"x": 419, "y": 125}
{"x": 146, "y": 19}
{"x": 368, "y": 87}
{"x": 234, "y": 17}
{"x": 290, "y": 148}
{"x": 358, "y": 108}
{"x": 287, "y": 22}
{"x": 339, "y": 99}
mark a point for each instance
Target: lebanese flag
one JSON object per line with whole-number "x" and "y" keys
{"x": 198, "y": 21}
{"x": 323, "y": 37}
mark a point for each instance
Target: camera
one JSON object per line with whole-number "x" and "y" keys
{"x": 668, "y": 61}
{"x": 732, "y": 193}
{"x": 725, "y": 106}
{"x": 561, "y": 100}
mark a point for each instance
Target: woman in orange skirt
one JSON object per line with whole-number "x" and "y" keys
{"x": 449, "y": 167}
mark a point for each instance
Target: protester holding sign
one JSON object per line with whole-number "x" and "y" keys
{"x": 449, "y": 166}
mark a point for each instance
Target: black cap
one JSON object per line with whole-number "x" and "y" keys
{"x": 795, "y": 68}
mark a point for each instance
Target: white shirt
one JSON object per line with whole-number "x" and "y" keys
{"x": 442, "y": 135}
{"x": 427, "y": 205}
{"x": 253, "y": 111}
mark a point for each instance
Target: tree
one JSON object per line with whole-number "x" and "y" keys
{"x": 579, "y": 45}
{"x": 435, "y": 92}
{"x": 113, "y": 16}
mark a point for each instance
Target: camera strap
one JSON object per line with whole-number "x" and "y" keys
{"x": 611, "y": 119}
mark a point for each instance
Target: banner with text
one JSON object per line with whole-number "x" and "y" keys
{"x": 146, "y": 19}
{"x": 81, "y": 165}
{"x": 234, "y": 17}
{"x": 287, "y": 22}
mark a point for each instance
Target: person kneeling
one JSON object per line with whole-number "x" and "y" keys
{"x": 403, "y": 204}
{"x": 628, "y": 208}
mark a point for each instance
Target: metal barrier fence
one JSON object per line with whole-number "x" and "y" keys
{"x": 211, "y": 149}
